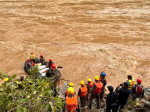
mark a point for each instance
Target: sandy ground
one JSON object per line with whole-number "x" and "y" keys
{"x": 85, "y": 37}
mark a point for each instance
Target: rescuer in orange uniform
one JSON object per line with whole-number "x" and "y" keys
{"x": 96, "y": 90}
{"x": 32, "y": 57}
{"x": 82, "y": 93}
{"x": 89, "y": 87}
{"x": 71, "y": 101}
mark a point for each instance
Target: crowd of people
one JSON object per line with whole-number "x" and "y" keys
{"x": 115, "y": 100}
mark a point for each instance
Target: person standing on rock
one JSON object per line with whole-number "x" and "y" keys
{"x": 103, "y": 80}
{"x": 42, "y": 59}
{"x": 89, "y": 87}
{"x": 111, "y": 100}
{"x": 71, "y": 101}
{"x": 131, "y": 82}
{"x": 138, "y": 90}
{"x": 82, "y": 93}
{"x": 32, "y": 57}
{"x": 123, "y": 94}
{"x": 96, "y": 90}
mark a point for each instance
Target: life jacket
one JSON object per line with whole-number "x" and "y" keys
{"x": 71, "y": 103}
{"x": 68, "y": 93}
{"x": 98, "y": 88}
{"x": 131, "y": 84}
{"x": 32, "y": 56}
{"x": 139, "y": 89}
{"x": 83, "y": 91}
{"x": 90, "y": 84}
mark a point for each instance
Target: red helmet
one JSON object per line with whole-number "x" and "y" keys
{"x": 33, "y": 64}
{"x": 29, "y": 59}
{"x": 50, "y": 59}
{"x": 53, "y": 66}
{"x": 41, "y": 56}
{"x": 32, "y": 53}
{"x": 139, "y": 80}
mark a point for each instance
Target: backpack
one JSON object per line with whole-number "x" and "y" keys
{"x": 139, "y": 89}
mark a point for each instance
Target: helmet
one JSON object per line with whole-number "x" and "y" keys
{"x": 53, "y": 66}
{"x": 6, "y": 79}
{"x": 82, "y": 82}
{"x": 103, "y": 74}
{"x": 50, "y": 59}
{"x": 70, "y": 90}
{"x": 89, "y": 80}
{"x": 139, "y": 80}
{"x": 29, "y": 59}
{"x": 71, "y": 84}
{"x": 32, "y": 53}
{"x": 33, "y": 64}
{"x": 41, "y": 56}
{"x": 96, "y": 77}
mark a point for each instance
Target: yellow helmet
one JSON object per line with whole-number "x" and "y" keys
{"x": 82, "y": 82}
{"x": 70, "y": 90}
{"x": 6, "y": 79}
{"x": 96, "y": 77}
{"x": 71, "y": 84}
{"x": 89, "y": 80}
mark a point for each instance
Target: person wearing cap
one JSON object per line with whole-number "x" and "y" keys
{"x": 29, "y": 64}
{"x": 96, "y": 90}
{"x": 32, "y": 57}
{"x": 82, "y": 93}
{"x": 138, "y": 90}
{"x": 131, "y": 82}
{"x": 50, "y": 63}
{"x": 123, "y": 94}
{"x": 103, "y": 80}
{"x": 111, "y": 100}
{"x": 42, "y": 59}
{"x": 70, "y": 85}
{"x": 71, "y": 101}
{"x": 89, "y": 87}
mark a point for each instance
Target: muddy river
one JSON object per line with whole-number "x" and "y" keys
{"x": 85, "y": 37}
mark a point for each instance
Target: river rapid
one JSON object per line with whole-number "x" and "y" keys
{"x": 85, "y": 37}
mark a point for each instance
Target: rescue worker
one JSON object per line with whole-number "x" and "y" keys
{"x": 42, "y": 59}
{"x": 32, "y": 57}
{"x": 138, "y": 90}
{"x": 123, "y": 94}
{"x": 29, "y": 64}
{"x": 50, "y": 63}
{"x": 71, "y": 101}
{"x": 96, "y": 90}
{"x": 103, "y": 80}
{"x": 131, "y": 82}
{"x": 111, "y": 100}
{"x": 89, "y": 87}
{"x": 82, "y": 93}
{"x": 70, "y": 85}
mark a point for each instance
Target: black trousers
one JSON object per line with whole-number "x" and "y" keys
{"x": 113, "y": 108}
{"x": 97, "y": 96}
{"x": 83, "y": 101}
{"x": 120, "y": 106}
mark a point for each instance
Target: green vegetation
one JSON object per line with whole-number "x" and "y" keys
{"x": 29, "y": 95}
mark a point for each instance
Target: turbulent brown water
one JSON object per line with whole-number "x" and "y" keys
{"x": 85, "y": 37}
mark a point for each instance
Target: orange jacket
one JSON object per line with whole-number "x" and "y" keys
{"x": 83, "y": 91}
{"x": 98, "y": 87}
{"x": 71, "y": 103}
